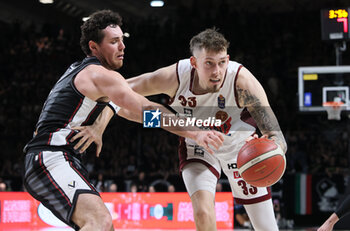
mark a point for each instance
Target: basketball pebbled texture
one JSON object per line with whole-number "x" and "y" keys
{"x": 261, "y": 162}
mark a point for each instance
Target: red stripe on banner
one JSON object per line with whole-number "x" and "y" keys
{"x": 309, "y": 194}
{"x": 129, "y": 211}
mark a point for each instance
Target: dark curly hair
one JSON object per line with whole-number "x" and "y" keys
{"x": 92, "y": 28}
{"x": 209, "y": 39}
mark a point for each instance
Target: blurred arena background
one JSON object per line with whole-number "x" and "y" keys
{"x": 271, "y": 38}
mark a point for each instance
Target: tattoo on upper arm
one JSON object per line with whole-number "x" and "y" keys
{"x": 262, "y": 115}
{"x": 245, "y": 97}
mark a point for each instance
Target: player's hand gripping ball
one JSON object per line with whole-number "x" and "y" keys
{"x": 261, "y": 162}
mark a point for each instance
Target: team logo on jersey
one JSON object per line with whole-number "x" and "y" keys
{"x": 221, "y": 115}
{"x": 221, "y": 101}
{"x": 72, "y": 184}
{"x": 151, "y": 118}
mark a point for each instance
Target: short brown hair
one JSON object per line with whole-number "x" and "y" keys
{"x": 209, "y": 39}
{"x": 92, "y": 28}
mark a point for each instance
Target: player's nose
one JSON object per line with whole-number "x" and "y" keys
{"x": 121, "y": 45}
{"x": 216, "y": 70}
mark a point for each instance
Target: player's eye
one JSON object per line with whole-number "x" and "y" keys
{"x": 117, "y": 40}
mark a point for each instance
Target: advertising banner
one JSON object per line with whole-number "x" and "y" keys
{"x": 128, "y": 210}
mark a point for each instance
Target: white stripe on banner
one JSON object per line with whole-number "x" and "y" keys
{"x": 303, "y": 193}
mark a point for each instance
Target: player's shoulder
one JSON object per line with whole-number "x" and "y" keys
{"x": 246, "y": 80}
{"x": 233, "y": 65}
{"x": 98, "y": 71}
{"x": 184, "y": 65}
{"x": 94, "y": 68}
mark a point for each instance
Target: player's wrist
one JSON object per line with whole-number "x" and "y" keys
{"x": 192, "y": 134}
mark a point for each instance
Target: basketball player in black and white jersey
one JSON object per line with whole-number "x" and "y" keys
{"x": 206, "y": 85}
{"x": 342, "y": 211}
{"x": 54, "y": 174}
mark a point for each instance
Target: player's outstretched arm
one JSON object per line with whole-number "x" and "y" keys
{"x": 329, "y": 223}
{"x": 252, "y": 96}
{"x": 93, "y": 133}
{"x": 97, "y": 83}
{"x": 161, "y": 81}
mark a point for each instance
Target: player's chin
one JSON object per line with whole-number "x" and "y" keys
{"x": 117, "y": 65}
{"x": 215, "y": 89}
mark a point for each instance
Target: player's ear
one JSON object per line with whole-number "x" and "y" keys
{"x": 193, "y": 62}
{"x": 92, "y": 45}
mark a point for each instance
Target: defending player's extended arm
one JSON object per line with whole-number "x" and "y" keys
{"x": 97, "y": 83}
{"x": 161, "y": 81}
{"x": 252, "y": 96}
{"x": 93, "y": 134}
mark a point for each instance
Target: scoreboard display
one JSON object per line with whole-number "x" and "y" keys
{"x": 335, "y": 24}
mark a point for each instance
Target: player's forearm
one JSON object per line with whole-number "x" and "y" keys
{"x": 129, "y": 115}
{"x": 140, "y": 84}
{"x": 333, "y": 219}
{"x": 135, "y": 105}
{"x": 268, "y": 124}
{"x": 188, "y": 132}
{"x": 103, "y": 119}
{"x": 278, "y": 137}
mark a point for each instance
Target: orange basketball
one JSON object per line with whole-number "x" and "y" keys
{"x": 261, "y": 162}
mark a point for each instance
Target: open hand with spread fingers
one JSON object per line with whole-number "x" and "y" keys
{"x": 87, "y": 136}
{"x": 206, "y": 138}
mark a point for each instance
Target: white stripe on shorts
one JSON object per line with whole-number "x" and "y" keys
{"x": 63, "y": 174}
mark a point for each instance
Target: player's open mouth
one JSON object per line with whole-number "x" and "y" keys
{"x": 214, "y": 80}
{"x": 120, "y": 56}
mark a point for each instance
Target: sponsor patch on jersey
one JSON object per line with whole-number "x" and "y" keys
{"x": 188, "y": 112}
{"x": 221, "y": 101}
{"x": 198, "y": 151}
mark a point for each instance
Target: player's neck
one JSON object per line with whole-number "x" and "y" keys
{"x": 197, "y": 88}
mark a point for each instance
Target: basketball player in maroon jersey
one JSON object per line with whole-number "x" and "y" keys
{"x": 206, "y": 85}
{"x": 54, "y": 174}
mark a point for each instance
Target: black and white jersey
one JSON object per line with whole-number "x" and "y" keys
{"x": 65, "y": 107}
